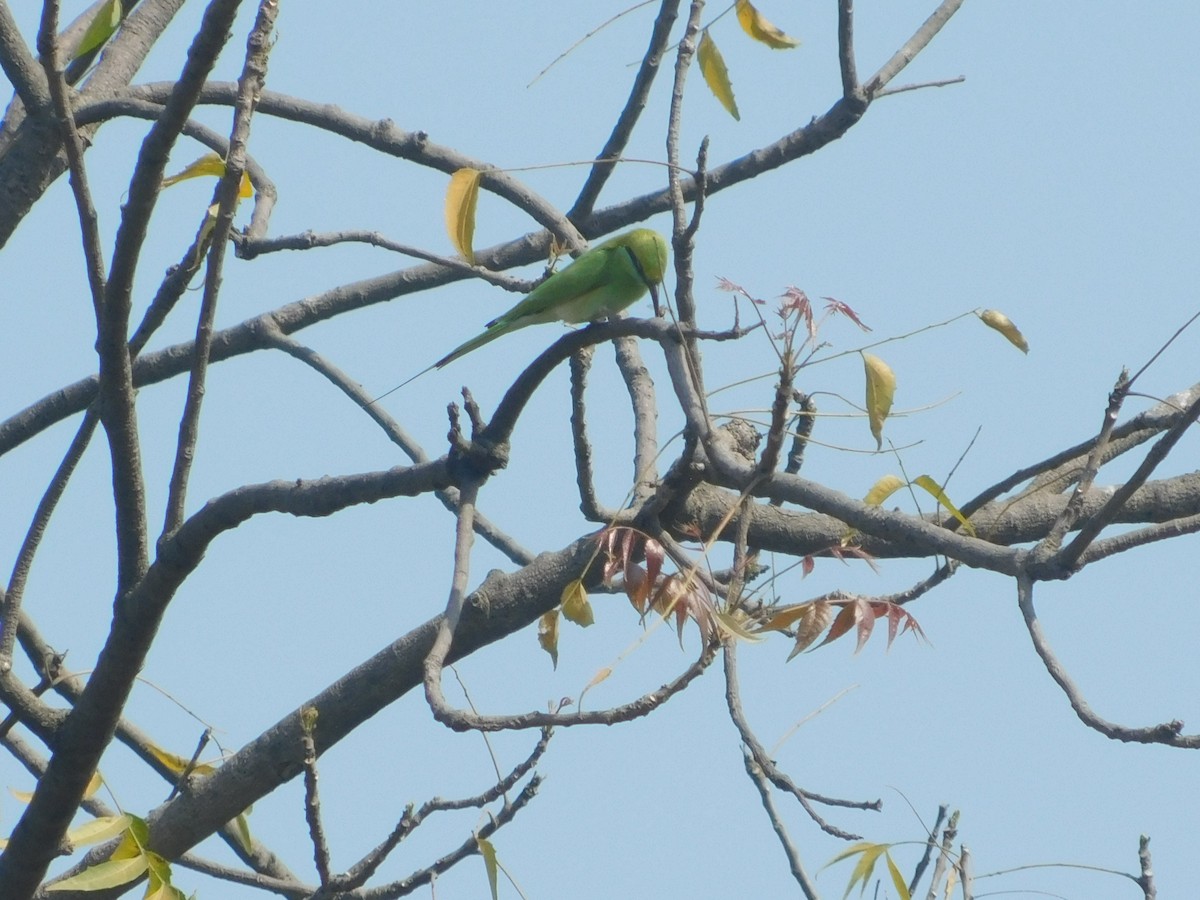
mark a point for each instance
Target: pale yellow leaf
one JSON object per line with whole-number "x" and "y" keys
{"x": 113, "y": 873}
{"x": 177, "y": 764}
{"x": 209, "y": 164}
{"x": 488, "y": 852}
{"x": 461, "y": 199}
{"x": 935, "y": 490}
{"x": 993, "y": 318}
{"x": 760, "y": 29}
{"x": 733, "y": 626}
{"x": 575, "y": 604}
{"x": 881, "y": 388}
{"x": 548, "y": 635}
{"x": 882, "y": 489}
{"x": 93, "y": 785}
{"x": 98, "y": 830}
{"x": 22, "y": 796}
{"x": 716, "y": 76}
{"x": 241, "y": 827}
{"x": 101, "y": 28}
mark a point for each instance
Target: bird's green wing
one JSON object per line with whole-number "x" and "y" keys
{"x": 585, "y": 274}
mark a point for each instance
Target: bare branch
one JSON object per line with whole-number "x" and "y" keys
{"x": 1169, "y": 733}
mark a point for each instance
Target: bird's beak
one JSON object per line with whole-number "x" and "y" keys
{"x": 654, "y": 299}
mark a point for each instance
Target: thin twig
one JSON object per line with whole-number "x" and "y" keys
{"x": 1168, "y": 733}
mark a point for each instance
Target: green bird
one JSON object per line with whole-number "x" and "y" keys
{"x": 601, "y": 282}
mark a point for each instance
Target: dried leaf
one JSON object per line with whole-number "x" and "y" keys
{"x": 548, "y": 635}
{"x": 575, "y": 606}
{"x": 834, "y": 305}
{"x": 938, "y": 494}
{"x": 761, "y": 30}
{"x": 816, "y": 619}
{"x": 881, "y": 387}
{"x": 716, "y": 76}
{"x": 461, "y": 199}
{"x": 993, "y": 318}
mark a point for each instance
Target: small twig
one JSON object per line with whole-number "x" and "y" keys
{"x": 920, "y": 85}
{"x": 914, "y": 45}
{"x": 312, "y": 797}
{"x": 846, "y": 48}
{"x": 943, "y": 859}
{"x": 589, "y": 504}
{"x": 469, "y": 847}
{"x": 1070, "y": 555}
{"x": 1168, "y": 733}
{"x": 250, "y": 86}
{"x": 622, "y": 130}
{"x": 754, "y": 770}
{"x": 930, "y": 846}
{"x": 733, "y": 702}
{"x": 1146, "y": 881}
{"x": 309, "y": 240}
{"x": 191, "y": 764}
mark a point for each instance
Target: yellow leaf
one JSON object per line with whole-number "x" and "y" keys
{"x": 177, "y": 764}
{"x": 461, "y": 197}
{"x": 113, "y": 873}
{"x": 599, "y": 677}
{"x": 548, "y": 635}
{"x": 716, "y": 76}
{"x": 897, "y": 879}
{"x": 881, "y": 387}
{"x": 101, "y": 28}
{"x": 731, "y": 625}
{"x": 22, "y": 796}
{"x": 209, "y": 164}
{"x": 575, "y": 604}
{"x": 98, "y": 830}
{"x": 938, "y": 494}
{"x": 488, "y": 852}
{"x": 761, "y": 30}
{"x": 882, "y": 489}
{"x": 92, "y": 786}
{"x": 241, "y": 827}
{"x": 993, "y": 318}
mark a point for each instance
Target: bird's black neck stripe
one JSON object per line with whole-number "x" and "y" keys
{"x": 637, "y": 265}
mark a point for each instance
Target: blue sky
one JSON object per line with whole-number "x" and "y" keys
{"x": 1057, "y": 183}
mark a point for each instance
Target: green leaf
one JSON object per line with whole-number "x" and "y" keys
{"x": 241, "y": 827}
{"x": 108, "y": 18}
{"x": 113, "y": 873}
